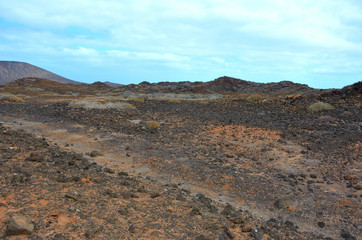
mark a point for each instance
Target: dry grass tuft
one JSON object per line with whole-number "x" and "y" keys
{"x": 255, "y": 97}
{"x": 8, "y": 97}
{"x": 102, "y": 105}
{"x": 137, "y": 99}
{"x": 320, "y": 106}
{"x": 154, "y": 124}
{"x": 174, "y": 100}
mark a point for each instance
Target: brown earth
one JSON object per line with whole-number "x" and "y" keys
{"x": 232, "y": 168}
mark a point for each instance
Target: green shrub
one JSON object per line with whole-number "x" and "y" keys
{"x": 320, "y": 106}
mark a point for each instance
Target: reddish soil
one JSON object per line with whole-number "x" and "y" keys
{"x": 223, "y": 169}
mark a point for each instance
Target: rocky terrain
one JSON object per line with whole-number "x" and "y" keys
{"x": 227, "y": 159}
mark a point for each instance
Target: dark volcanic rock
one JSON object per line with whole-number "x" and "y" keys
{"x": 346, "y": 235}
{"x": 36, "y": 157}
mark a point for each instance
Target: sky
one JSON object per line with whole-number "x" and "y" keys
{"x": 318, "y": 43}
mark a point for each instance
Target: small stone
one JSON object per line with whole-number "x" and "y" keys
{"x": 109, "y": 170}
{"x": 213, "y": 209}
{"x": 90, "y": 233}
{"x": 125, "y": 174}
{"x": 123, "y": 211}
{"x": 35, "y": 157}
{"x": 95, "y": 153}
{"x": 223, "y": 237}
{"x": 228, "y": 210}
{"x": 237, "y": 220}
{"x": 284, "y": 202}
{"x": 358, "y": 187}
{"x": 195, "y": 211}
{"x": 111, "y": 194}
{"x": 312, "y": 175}
{"x": 346, "y": 235}
{"x": 229, "y": 233}
{"x": 154, "y": 194}
{"x": 62, "y": 178}
{"x": 76, "y": 178}
{"x": 258, "y": 234}
{"x": 201, "y": 237}
{"x": 321, "y": 224}
{"x": 275, "y": 235}
{"x": 303, "y": 175}
{"x": 180, "y": 197}
{"x": 60, "y": 236}
{"x": 246, "y": 227}
{"x": 347, "y": 177}
{"x": 75, "y": 197}
{"x": 19, "y": 225}
{"x": 142, "y": 189}
{"x": 132, "y": 229}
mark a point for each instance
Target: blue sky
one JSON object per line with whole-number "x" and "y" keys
{"x": 318, "y": 43}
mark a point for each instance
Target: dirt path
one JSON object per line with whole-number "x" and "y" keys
{"x": 243, "y": 188}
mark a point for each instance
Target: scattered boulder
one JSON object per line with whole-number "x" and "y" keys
{"x": 95, "y": 153}
{"x": 201, "y": 237}
{"x": 154, "y": 194}
{"x": 321, "y": 224}
{"x": 19, "y": 225}
{"x": 229, "y": 233}
{"x": 346, "y": 235}
{"x": 258, "y": 234}
{"x": 284, "y": 202}
{"x": 35, "y": 157}
{"x": 132, "y": 229}
{"x": 228, "y": 210}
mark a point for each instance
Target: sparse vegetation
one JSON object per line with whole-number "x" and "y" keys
{"x": 8, "y": 97}
{"x": 102, "y": 105}
{"x": 154, "y": 124}
{"x": 174, "y": 100}
{"x": 320, "y": 106}
{"x": 137, "y": 99}
{"x": 255, "y": 97}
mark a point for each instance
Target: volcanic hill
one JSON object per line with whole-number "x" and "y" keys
{"x": 11, "y": 71}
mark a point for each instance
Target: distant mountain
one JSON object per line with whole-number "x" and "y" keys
{"x": 229, "y": 84}
{"x": 112, "y": 84}
{"x": 222, "y": 85}
{"x": 11, "y": 71}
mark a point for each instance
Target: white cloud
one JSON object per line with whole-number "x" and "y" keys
{"x": 265, "y": 35}
{"x": 185, "y": 24}
{"x": 81, "y": 51}
{"x": 168, "y": 57}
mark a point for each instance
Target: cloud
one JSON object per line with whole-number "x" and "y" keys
{"x": 82, "y": 51}
{"x": 186, "y": 25}
{"x": 297, "y": 38}
{"x": 148, "y": 56}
